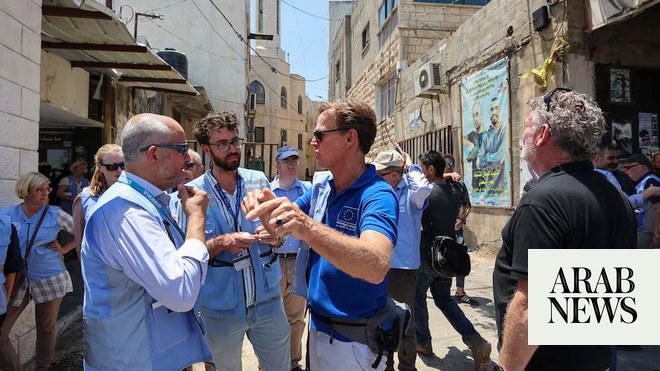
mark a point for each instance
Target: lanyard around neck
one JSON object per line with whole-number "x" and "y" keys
{"x": 165, "y": 214}
{"x": 236, "y": 212}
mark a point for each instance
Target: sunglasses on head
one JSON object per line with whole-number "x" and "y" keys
{"x": 318, "y": 134}
{"x": 182, "y": 148}
{"x": 113, "y": 166}
{"x": 547, "y": 99}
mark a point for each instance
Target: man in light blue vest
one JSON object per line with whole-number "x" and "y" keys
{"x": 288, "y": 185}
{"x": 241, "y": 295}
{"x": 412, "y": 190}
{"x": 142, "y": 273}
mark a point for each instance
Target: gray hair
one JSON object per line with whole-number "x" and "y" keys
{"x": 575, "y": 122}
{"x": 195, "y": 157}
{"x": 139, "y": 131}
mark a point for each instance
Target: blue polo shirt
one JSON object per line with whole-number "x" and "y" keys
{"x": 367, "y": 204}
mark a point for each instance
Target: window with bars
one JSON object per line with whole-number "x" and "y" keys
{"x": 387, "y": 100}
{"x": 283, "y": 99}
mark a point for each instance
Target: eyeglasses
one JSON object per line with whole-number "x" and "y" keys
{"x": 291, "y": 162}
{"x": 182, "y": 148}
{"x": 548, "y": 97}
{"x": 630, "y": 167}
{"x": 224, "y": 145}
{"x": 114, "y": 166}
{"x": 318, "y": 134}
{"x": 190, "y": 165}
{"x": 42, "y": 190}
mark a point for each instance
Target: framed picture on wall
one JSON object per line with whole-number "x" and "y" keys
{"x": 620, "y": 85}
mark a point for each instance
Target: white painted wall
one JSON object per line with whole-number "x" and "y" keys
{"x": 216, "y": 57}
{"x": 20, "y": 54}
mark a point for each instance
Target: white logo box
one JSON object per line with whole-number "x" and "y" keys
{"x": 582, "y": 327}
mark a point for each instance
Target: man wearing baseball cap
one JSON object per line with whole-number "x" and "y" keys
{"x": 288, "y": 185}
{"x": 638, "y": 167}
{"x": 412, "y": 191}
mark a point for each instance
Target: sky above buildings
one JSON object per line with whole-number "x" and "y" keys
{"x": 305, "y": 38}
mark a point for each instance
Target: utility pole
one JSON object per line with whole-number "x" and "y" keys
{"x": 148, "y": 15}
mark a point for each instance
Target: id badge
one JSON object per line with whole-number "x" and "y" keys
{"x": 242, "y": 262}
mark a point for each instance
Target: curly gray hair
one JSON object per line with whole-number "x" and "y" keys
{"x": 575, "y": 122}
{"x": 142, "y": 130}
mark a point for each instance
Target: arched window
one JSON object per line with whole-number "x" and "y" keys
{"x": 283, "y": 101}
{"x": 258, "y": 89}
{"x": 300, "y": 104}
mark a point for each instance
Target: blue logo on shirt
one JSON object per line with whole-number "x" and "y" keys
{"x": 347, "y": 219}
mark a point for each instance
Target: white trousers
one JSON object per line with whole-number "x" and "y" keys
{"x": 339, "y": 355}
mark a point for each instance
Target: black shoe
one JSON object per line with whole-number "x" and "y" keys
{"x": 299, "y": 368}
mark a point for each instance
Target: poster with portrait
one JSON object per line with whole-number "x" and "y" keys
{"x": 486, "y": 135}
{"x": 622, "y": 137}
{"x": 648, "y": 130}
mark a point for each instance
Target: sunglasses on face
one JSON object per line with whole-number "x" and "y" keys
{"x": 449, "y": 164}
{"x": 547, "y": 99}
{"x": 318, "y": 134}
{"x": 113, "y": 166}
{"x": 182, "y": 148}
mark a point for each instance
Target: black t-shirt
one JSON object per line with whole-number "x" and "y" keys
{"x": 569, "y": 207}
{"x": 439, "y": 218}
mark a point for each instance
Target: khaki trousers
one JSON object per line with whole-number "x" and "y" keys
{"x": 45, "y": 315}
{"x": 294, "y": 306}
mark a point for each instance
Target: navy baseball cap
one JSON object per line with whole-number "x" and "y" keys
{"x": 638, "y": 158}
{"x": 286, "y": 152}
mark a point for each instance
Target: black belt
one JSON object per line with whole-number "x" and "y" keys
{"x": 292, "y": 255}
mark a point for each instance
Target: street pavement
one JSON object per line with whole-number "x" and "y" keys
{"x": 450, "y": 352}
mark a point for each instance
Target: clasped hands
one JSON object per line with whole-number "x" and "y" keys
{"x": 279, "y": 216}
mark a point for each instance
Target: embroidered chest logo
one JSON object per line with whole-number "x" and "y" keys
{"x": 347, "y": 219}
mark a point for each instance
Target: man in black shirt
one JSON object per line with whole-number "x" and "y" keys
{"x": 439, "y": 219}
{"x": 570, "y": 207}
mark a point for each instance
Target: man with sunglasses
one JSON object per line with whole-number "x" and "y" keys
{"x": 241, "y": 295}
{"x": 639, "y": 168}
{"x": 288, "y": 185}
{"x": 349, "y": 220}
{"x": 142, "y": 273}
{"x": 570, "y": 206}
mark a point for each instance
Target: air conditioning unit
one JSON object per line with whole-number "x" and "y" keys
{"x": 429, "y": 81}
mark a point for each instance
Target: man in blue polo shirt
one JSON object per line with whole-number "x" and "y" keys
{"x": 288, "y": 185}
{"x": 351, "y": 229}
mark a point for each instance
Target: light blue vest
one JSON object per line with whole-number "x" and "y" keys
{"x": 122, "y": 330}
{"x": 72, "y": 188}
{"x": 5, "y": 239}
{"x": 646, "y": 220}
{"x": 87, "y": 202}
{"x": 223, "y": 294}
{"x": 43, "y": 261}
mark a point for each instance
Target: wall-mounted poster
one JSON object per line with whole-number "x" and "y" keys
{"x": 622, "y": 137}
{"x": 486, "y": 140}
{"x": 648, "y": 130}
{"x": 619, "y": 85}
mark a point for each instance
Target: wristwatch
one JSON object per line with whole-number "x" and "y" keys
{"x": 279, "y": 243}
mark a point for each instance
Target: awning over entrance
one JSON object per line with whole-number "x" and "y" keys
{"x": 90, "y": 36}
{"x": 54, "y": 116}
{"x": 604, "y": 12}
